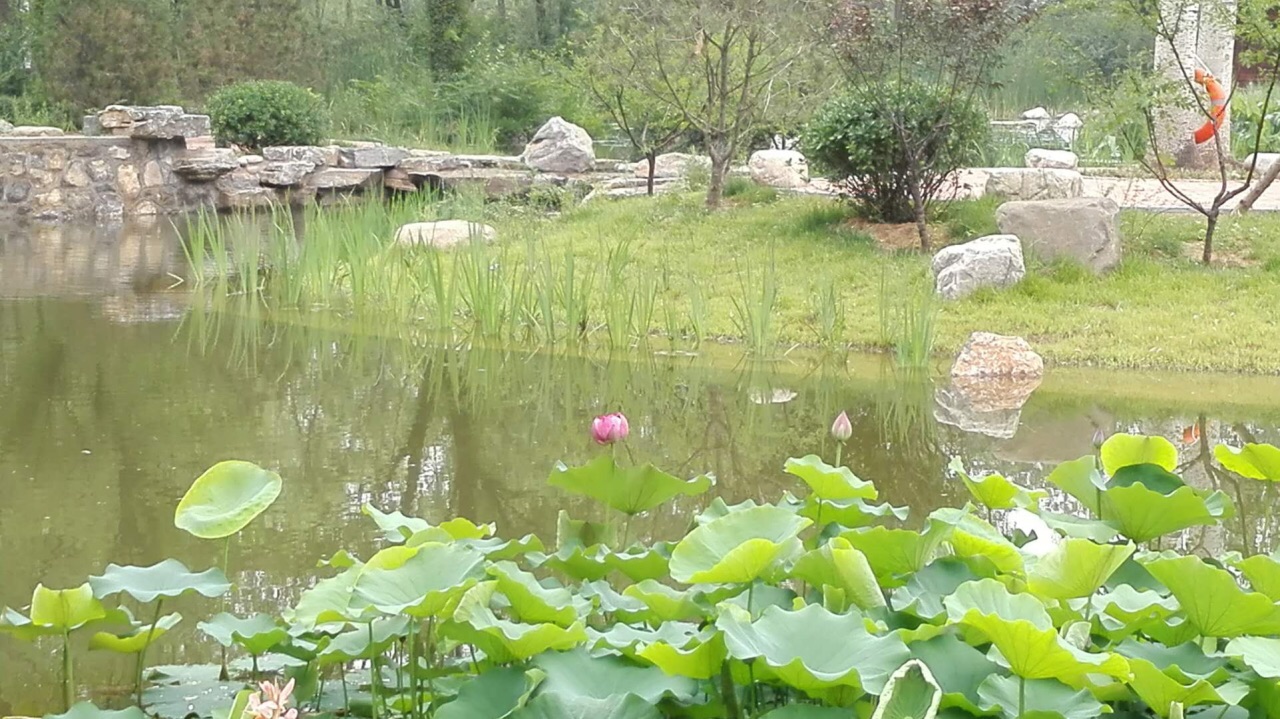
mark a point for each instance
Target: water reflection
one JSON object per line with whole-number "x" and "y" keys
{"x": 104, "y": 422}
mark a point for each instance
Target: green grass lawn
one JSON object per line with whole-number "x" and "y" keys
{"x": 1158, "y": 309}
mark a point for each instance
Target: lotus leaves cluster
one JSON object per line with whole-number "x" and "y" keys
{"x": 817, "y": 606}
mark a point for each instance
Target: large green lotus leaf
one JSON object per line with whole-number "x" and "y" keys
{"x": 491, "y": 695}
{"x": 534, "y": 603}
{"x": 137, "y": 639}
{"x": 1125, "y": 610}
{"x": 849, "y": 512}
{"x": 1261, "y": 654}
{"x": 1212, "y": 600}
{"x": 1076, "y": 568}
{"x": 737, "y": 548}
{"x": 719, "y": 508}
{"x": 257, "y": 634}
{"x": 1263, "y": 573}
{"x": 1160, "y": 692}
{"x": 1020, "y": 628}
{"x": 630, "y": 490}
{"x": 169, "y": 578}
{"x": 639, "y": 564}
{"x": 665, "y": 603}
{"x": 582, "y": 533}
{"x": 626, "y": 638}
{"x": 86, "y": 710}
{"x": 501, "y": 640}
{"x": 1081, "y": 479}
{"x": 958, "y": 668}
{"x": 612, "y": 602}
{"x": 1152, "y": 476}
{"x": 976, "y": 538}
{"x": 396, "y": 526}
{"x": 893, "y": 553}
{"x": 828, "y": 482}
{"x": 555, "y": 705}
{"x": 496, "y": 549}
{"x": 995, "y": 492}
{"x": 1185, "y": 662}
{"x": 923, "y": 594}
{"x": 701, "y": 659}
{"x": 837, "y": 564}
{"x": 1124, "y": 450}
{"x": 331, "y": 600}
{"x": 1133, "y": 574}
{"x": 1082, "y": 527}
{"x": 428, "y": 583}
{"x": 1142, "y": 514}
{"x": 224, "y": 499}
{"x": 363, "y": 642}
{"x": 910, "y": 693}
{"x": 597, "y": 561}
{"x": 813, "y": 649}
{"x": 1255, "y": 461}
{"x": 65, "y": 609}
{"x": 20, "y": 627}
{"x": 806, "y": 711}
{"x": 1043, "y": 699}
{"x": 578, "y": 674}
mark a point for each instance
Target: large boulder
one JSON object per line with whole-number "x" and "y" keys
{"x": 1052, "y": 159}
{"x": 1264, "y": 159}
{"x": 444, "y": 233}
{"x": 205, "y": 165}
{"x": 785, "y": 169}
{"x": 161, "y": 122}
{"x": 1084, "y": 229}
{"x": 992, "y": 261}
{"x": 986, "y": 354}
{"x": 1014, "y": 183}
{"x": 285, "y": 173}
{"x": 375, "y": 157}
{"x": 672, "y": 164}
{"x": 560, "y": 146}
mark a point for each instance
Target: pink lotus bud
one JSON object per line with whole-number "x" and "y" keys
{"x": 842, "y": 428}
{"x": 610, "y": 428}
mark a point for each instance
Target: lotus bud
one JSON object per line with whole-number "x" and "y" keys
{"x": 842, "y": 428}
{"x": 610, "y": 428}
{"x": 1099, "y": 437}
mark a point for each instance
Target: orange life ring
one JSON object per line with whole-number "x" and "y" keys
{"x": 1217, "y": 106}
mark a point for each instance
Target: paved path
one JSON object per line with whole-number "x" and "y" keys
{"x": 1139, "y": 193}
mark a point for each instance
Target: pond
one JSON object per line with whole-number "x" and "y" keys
{"x": 116, "y": 390}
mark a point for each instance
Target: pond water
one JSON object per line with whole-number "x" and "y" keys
{"x": 116, "y": 390}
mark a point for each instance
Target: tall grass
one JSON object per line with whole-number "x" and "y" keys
{"x": 908, "y": 321}
{"x": 754, "y": 308}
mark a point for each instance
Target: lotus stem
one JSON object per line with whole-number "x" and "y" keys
{"x": 728, "y": 695}
{"x": 226, "y": 569}
{"x": 431, "y": 657}
{"x": 626, "y": 532}
{"x": 346, "y": 701}
{"x": 142, "y": 655}
{"x": 254, "y": 659}
{"x": 68, "y": 672}
{"x": 415, "y": 708}
{"x": 1022, "y": 697}
{"x": 373, "y": 673}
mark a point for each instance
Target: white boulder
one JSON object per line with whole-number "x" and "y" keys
{"x": 1015, "y": 183}
{"x": 993, "y": 261}
{"x": 560, "y": 146}
{"x": 1085, "y": 230}
{"x": 1042, "y": 159}
{"x": 779, "y": 168}
{"x": 444, "y": 234}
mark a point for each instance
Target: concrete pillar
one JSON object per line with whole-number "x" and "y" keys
{"x": 1204, "y": 37}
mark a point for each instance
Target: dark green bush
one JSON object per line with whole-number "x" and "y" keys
{"x": 263, "y": 113}
{"x": 860, "y": 136}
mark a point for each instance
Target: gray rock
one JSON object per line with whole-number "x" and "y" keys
{"x": 284, "y": 173}
{"x": 1264, "y": 159}
{"x": 205, "y": 165}
{"x": 162, "y": 122}
{"x": 333, "y": 178}
{"x": 316, "y": 156}
{"x": 1051, "y": 159}
{"x": 35, "y": 131}
{"x": 560, "y": 146}
{"x": 1084, "y": 230}
{"x": 444, "y": 234}
{"x": 5, "y": 127}
{"x": 992, "y": 261}
{"x": 1034, "y": 184}
{"x": 786, "y": 169}
{"x": 375, "y": 158}
{"x": 90, "y": 126}
{"x": 433, "y": 165}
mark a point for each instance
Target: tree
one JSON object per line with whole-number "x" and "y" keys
{"x": 950, "y": 46}
{"x": 615, "y": 80}
{"x": 718, "y": 63}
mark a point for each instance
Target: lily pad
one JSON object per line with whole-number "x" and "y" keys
{"x": 828, "y": 482}
{"x": 1076, "y": 568}
{"x": 169, "y": 578}
{"x": 737, "y": 548}
{"x": 1124, "y": 450}
{"x": 1255, "y": 461}
{"x": 257, "y": 634}
{"x": 630, "y": 490}
{"x": 1213, "y": 601}
{"x": 224, "y": 499}
{"x": 837, "y": 564}
{"x": 1042, "y": 699}
{"x": 995, "y": 492}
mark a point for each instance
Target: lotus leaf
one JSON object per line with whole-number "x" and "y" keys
{"x": 630, "y": 490}
{"x": 491, "y": 695}
{"x": 910, "y": 693}
{"x": 1041, "y": 699}
{"x": 737, "y": 548}
{"x": 828, "y": 482}
{"x": 554, "y": 705}
{"x": 1152, "y": 476}
{"x": 1076, "y": 568}
{"x": 611, "y": 601}
{"x": 699, "y": 659}
{"x": 65, "y": 609}
{"x": 798, "y": 648}
{"x": 1185, "y": 662}
{"x": 665, "y": 603}
{"x": 21, "y": 627}
{"x": 626, "y": 638}
{"x": 257, "y": 634}
{"x": 995, "y": 492}
{"x": 496, "y": 549}
{"x": 329, "y": 601}
{"x": 533, "y": 602}
{"x": 1142, "y": 514}
{"x": 581, "y": 533}
{"x": 366, "y": 641}
{"x": 86, "y": 710}
{"x": 224, "y": 499}
{"x": 169, "y": 578}
{"x": 849, "y": 512}
{"x": 578, "y": 674}
{"x": 1261, "y": 654}
{"x": 430, "y": 582}
{"x": 1125, "y": 610}
{"x": 837, "y": 564}
{"x": 137, "y": 639}
{"x": 184, "y": 691}
{"x": 893, "y": 553}
{"x": 719, "y": 508}
{"x": 976, "y": 538}
{"x": 923, "y": 594}
{"x": 1263, "y": 573}
{"x": 1255, "y": 461}
{"x": 958, "y": 668}
{"x": 1160, "y": 692}
{"x": 1080, "y": 527}
{"x": 1124, "y": 450}
{"x": 1080, "y": 479}
{"x": 806, "y": 711}
{"x": 1212, "y": 600}
{"x": 504, "y": 641}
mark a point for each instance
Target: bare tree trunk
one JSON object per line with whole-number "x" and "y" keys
{"x": 1268, "y": 177}
{"x": 719, "y": 171}
{"x": 652, "y": 157}
{"x": 1211, "y": 224}
{"x": 540, "y": 22}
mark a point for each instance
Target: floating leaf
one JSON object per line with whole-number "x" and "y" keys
{"x": 1043, "y": 698}
{"x": 1076, "y": 568}
{"x": 65, "y": 609}
{"x": 798, "y": 648}
{"x": 428, "y": 582}
{"x": 1212, "y": 600}
{"x": 257, "y": 634}
{"x": 86, "y": 710}
{"x": 491, "y": 695}
{"x": 737, "y": 548}
{"x": 1142, "y": 514}
{"x": 958, "y": 668}
{"x": 910, "y": 693}
{"x": 995, "y": 492}
{"x": 629, "y": 490}
{"x": 828, "y": 482}
{"x": 534, "y": 603}
{"x": 169, "y": 578}
{"x": 224, "y": 499}
{"x": 136, "y": 640}
{"x": 837, "y": 564}
{"x": 1124, "y": 450}
{"x": 1255, "y": 461}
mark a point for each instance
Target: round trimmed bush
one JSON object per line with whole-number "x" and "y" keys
{"x": 860, "y": 137}
{"x": 266, "y": 113}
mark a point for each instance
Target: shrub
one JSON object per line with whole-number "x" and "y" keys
{"x": 263, "y": 113}
{"x": 860, "y": 136}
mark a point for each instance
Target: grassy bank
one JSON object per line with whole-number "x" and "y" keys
{"x": 772, "y": 273}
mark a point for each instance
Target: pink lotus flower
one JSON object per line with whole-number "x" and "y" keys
{"x": 274, "y": 706}
{"x": 842, "y": 428}
{"x": 610, "y": 428}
